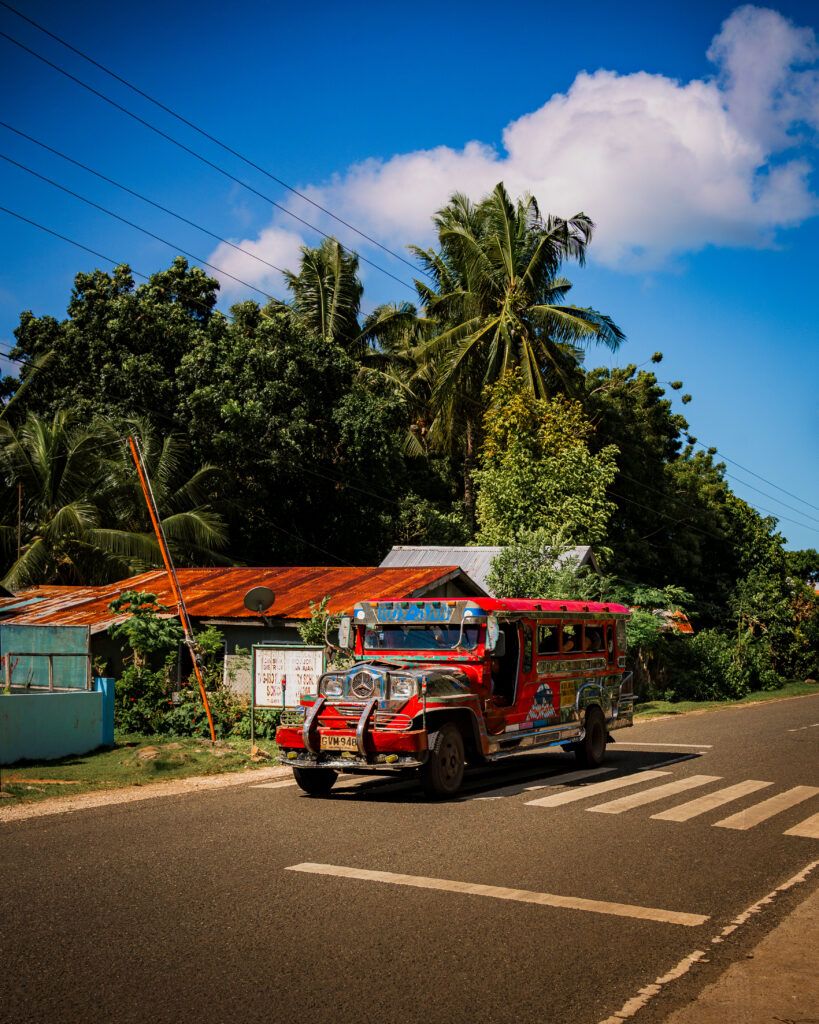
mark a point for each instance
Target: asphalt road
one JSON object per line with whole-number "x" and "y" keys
{"x": 183, "y": 908}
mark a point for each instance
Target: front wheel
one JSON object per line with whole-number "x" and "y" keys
{"x": 315, "y": 781}
{"x": 591, "y": 750}
{"x": 443, "y": 772}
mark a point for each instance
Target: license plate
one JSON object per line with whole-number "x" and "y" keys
{"x": 339, "y": 743}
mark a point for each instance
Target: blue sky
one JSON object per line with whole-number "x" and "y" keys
{"x": 687, "y": 131}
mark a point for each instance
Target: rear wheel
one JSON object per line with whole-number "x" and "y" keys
{"x": 591, "y": 750}
{"x": 443, "y": 772}
{"x": 315, "y": 781}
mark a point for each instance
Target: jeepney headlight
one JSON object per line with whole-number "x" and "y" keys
{"x": 332, "y": 686}
{"x": 402, "y": 687}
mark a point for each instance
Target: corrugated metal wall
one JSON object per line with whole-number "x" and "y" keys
{"x": 28, "y": 647}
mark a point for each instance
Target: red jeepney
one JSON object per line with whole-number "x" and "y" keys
{"x": 440, "y": 683}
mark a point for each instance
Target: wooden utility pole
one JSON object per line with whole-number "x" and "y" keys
{"x": 182, "y": 611}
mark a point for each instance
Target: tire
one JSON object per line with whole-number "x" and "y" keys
{"x": 591, "y": 750}
{"x": 315, "y": 781}
{"x": 443, "y": 773}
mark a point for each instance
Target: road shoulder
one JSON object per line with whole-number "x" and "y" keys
{"x": 775, "y": 982}
{"x": 109, "y": 797}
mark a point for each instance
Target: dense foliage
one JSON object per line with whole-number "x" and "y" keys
{"x": 305, "y": 432}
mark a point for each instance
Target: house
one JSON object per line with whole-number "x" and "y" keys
{"x": 474, "y": 561}
{"x": 215, "y": 597}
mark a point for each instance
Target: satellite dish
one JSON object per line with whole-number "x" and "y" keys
{"x": 259, "y": 599}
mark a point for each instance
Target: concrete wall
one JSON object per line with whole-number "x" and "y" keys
{"x": 45, "y": 726}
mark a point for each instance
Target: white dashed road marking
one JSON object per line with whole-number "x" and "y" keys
{"x": 583, "y": 792}
{"x": 684, "y": 812}
{"x": 768, "y": 808}
{"x": 544, "y": 899}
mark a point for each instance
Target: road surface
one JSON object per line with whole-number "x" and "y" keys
{"x": 543, "y": 894}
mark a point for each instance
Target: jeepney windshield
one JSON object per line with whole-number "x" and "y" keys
{"x": 414, "y": 637}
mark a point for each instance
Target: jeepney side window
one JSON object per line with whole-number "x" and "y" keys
{"x": 609, "y": 640}
{"x": 593, "y": 638}
{"x": 527, "y": 648}
{"x": 621, "y": 636}
{"x": 547, "y": 639}
{"x": 571, "y": 639}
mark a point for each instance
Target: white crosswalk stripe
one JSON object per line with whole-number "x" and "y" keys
{"x": 809, "y": 828}
{"x": 650, "y": 796}
{"x": 582, "y": 792}
{"x": 686, "y": 811}
{"x": 758, "y": 813}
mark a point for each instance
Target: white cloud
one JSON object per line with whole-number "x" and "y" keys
{"x": 662, "y": 167}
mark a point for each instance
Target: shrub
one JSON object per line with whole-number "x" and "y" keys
{"x": 142, "y": 699}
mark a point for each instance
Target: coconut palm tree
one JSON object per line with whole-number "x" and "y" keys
{"x": 79, "y": 520}
{"x": 327, "y": 292}
{"x": 497, "y": 301}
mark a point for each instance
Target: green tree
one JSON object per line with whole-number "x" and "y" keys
{"x": 310, "y": 451}
{"x": 128, "y": 340}
{"x": 537, "y": 565}
{"x": 538, "y": 470}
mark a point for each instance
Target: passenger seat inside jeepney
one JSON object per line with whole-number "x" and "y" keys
{"x": 505, "y": 668}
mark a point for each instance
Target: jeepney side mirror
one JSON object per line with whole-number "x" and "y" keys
{"x": 493, "y": 633}
{"x": 345, "y": 632}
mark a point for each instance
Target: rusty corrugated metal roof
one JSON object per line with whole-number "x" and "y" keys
{"x": 218, "y": 593}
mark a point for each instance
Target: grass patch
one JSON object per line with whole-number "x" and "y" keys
{"x": 655, "y": 708}
{"x": 134, "y": 761}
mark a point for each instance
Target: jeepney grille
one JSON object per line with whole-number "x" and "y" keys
{"x": 340, "y": 716}
{"x": 346, "y": 716}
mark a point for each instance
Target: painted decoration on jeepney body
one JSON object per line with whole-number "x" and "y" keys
{"x": 299, "y": 666}
{"x": 430, "y": 612}
{"x": 542, "y": 710}
{"x": 568, "y": 693}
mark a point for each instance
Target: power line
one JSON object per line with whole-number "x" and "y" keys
{"x": 138, "y": 195}
{"x": 107, "y": 259}
{"x": 773, "y": 497}
{"x": 710, "y": 448}
{"x": 760, "y": 508}
{"x": 137, "y": 227}
{"x": 207, "y": 135}
{"x": 665, "y": 515}
{"x": 198, "y": 156}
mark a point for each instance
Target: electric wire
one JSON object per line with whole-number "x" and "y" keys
{"x": 200, "y": 157}
{"x": 207, "y": 135}
{"x": 139, "y": 195}
{"x": 746, "y": 470}
{"x": 758, "y": 508}
{"x": 136, "y": 227}
{"x": 118, "y": 263}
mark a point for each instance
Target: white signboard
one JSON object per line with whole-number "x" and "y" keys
{"x": 282, "y": 674}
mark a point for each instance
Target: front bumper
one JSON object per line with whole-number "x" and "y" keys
{"x": 348, "y": 761}
{"x": 307, "y": 741}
